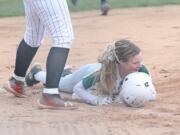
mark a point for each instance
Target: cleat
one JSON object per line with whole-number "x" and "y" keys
{"x": 105, "y": 8}
{"x": 15, "y": 87}
{"x": 54, "y": 101}
{"x": 30, "y": 79}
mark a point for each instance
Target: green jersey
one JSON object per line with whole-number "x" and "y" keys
{"x": 94, "y": 78}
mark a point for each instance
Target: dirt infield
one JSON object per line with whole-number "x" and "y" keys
{"x": 156, "y": 30}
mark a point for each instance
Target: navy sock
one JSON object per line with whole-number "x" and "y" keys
{"x": 103, "y": 1}
{"x": 55, "y": 65}
{"x": 24, "y": 56}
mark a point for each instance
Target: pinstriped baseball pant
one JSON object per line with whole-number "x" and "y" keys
{"x": 48, "y": 16}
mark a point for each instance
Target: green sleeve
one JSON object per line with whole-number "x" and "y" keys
{"x": 144, "y": 69}
{"x": 90, "y": 80}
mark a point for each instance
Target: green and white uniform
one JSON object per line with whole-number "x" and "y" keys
{"x": 84, "y": 89}
{"x": 82, "y": 83}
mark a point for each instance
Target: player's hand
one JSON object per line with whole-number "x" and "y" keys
{"x": 104, "y": 100}
{"x": 118, "y": 99}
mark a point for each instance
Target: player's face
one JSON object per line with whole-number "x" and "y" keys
{"x": 133, "y": 64}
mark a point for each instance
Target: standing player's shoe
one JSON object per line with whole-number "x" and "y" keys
{"x": 105, "y": 8}
{"x": 15, "y": 87}
{"x": 74, "y": 2}
{"x": 54, "y": 101}
{"x": 30, "y": 79}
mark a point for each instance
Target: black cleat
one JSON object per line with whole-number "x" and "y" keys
{"x": 105, "y": 7}
{"x": 30, "y": 80}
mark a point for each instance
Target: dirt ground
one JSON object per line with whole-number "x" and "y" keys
{"x": 155, "y": 29}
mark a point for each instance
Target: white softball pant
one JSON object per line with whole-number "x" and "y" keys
{"x": 50, "y": 16}
{"x": 68, "y": 82}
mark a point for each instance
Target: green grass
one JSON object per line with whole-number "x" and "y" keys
{"x": 11, "y": 8}
{"x": 94, "y": 4}
{"x": 15, "y": 7}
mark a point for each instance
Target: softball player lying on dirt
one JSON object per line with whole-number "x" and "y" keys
{"x": 103, "y": 82}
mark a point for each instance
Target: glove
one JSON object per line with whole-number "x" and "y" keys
{"x": 104, "y": 100}
{"x": 118, "y": 99}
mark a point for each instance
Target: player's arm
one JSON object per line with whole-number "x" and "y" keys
{"x": 84, "y": 94}
{"x": 84, "y": 89}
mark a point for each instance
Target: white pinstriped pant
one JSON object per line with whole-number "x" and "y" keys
{"x": 50, "y": 16}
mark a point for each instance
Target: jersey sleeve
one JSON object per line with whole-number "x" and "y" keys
{"x": 144, "y": 69}
{"x": 85, "y": 95}
{"x": 90, "y": 80}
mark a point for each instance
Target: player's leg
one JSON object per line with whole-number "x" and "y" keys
{"x": 25, "y": 53}
{"x": 104, "y": 7}
{"x": 55, "y": 16}
{"x": 74, "y": 2}
{"x": 103, "y": 1}
{"x": 36, "y": 75}
{"x": 68, "y": 82}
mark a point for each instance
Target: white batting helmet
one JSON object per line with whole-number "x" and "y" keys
{"x": 137, "y": 89}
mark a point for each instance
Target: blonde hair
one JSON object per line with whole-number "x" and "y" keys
{"x": 119, "y": 51}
